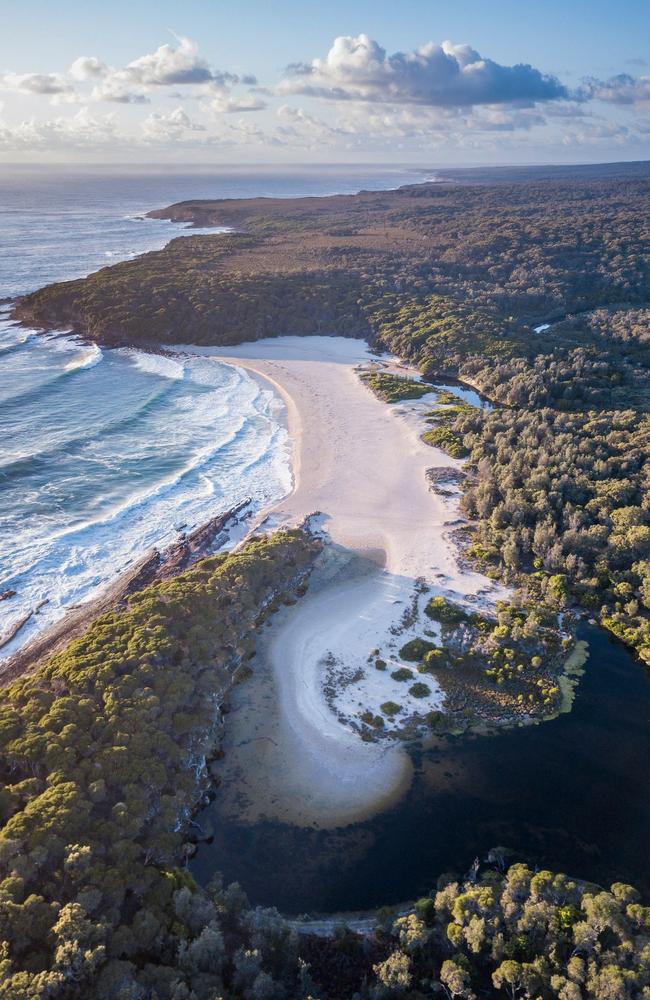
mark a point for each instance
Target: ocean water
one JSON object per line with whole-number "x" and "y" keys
{"x": 105, "y": 453}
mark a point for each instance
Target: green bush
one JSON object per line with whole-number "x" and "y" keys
{"x": 419, "y": 690}
{"x": 441, "y": 610}
{"x": 432, "y": 659}
{"x": 415, "y": 649}
{"x": 390, "y": 708}
{"x": 402, "y": 674}
{"x": 448, "y": 440}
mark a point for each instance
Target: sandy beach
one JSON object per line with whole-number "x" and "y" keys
{"x": 293, "y": 750}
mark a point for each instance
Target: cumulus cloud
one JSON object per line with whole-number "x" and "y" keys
{"x": 447, "y": 75}
{"x": 599, "y": 133}
{"x": 173, "y": 66}
{"x": 621, "y": 89}
{"x": 36, "y": 83}
{"x": 296, "y": 122}
{"x": 167, "y": 66}
{"x": 88, "y": 68}
{"x": 223, "y": 102}
{"x": 81, "y": 130}
{"x": 177, "y": 65}
{"x": 115, "y": 91}
{"x": 159, "y": 127}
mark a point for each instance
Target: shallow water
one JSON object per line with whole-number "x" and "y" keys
{"x": 571, "y": 794}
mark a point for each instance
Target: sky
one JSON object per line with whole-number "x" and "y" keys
{"x": 431, "y": 82}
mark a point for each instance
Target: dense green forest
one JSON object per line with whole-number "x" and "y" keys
{"x": 501, "y": 256}
{"x": 104, "y": 755}
{"x": 559, "y": 471}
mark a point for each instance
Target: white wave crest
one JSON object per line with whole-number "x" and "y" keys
{"x": 156, "y": 364}
{"x": 88, "y": 359}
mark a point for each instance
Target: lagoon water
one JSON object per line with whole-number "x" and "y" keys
{"x": 104, "y": 454}
{"x": 571, "y": 795}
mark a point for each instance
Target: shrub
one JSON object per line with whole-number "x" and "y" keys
{"x": 390, "y": 708}
{"x": 443, "y": 437}
{"x": 432, "y": 658}
{"x": 419, "y": 690}
{"x": 443, "y": 611}
{"x": 415, "y": 650}
{"x": 436, "y": 720}
{"x": 380, "y": 664}
{"x": 402, "y": 674}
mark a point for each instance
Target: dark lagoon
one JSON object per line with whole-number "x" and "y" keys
{"x": 571, "y": 794}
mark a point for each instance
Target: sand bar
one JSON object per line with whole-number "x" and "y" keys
{"x": 291, "y": 753}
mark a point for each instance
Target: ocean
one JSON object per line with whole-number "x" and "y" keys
{"x": 106, "y": 453}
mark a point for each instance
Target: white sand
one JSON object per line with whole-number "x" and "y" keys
{"x": 294, "y": 751}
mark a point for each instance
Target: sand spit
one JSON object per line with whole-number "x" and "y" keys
{"x": 293, "y": 746}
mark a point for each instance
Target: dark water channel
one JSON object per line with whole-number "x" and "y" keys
{"x": 572, "y": 794}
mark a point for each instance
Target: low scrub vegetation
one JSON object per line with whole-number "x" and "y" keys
{"x": 394, "y": 388}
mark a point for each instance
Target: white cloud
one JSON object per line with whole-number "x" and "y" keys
{"x": 222, "y": 101}
{"x": 172, "y": 66}
{"x": 169, "y": 127}
{"x": 298, "y": 123}
{"x": 79, "y": 131}
{"x": 167, "y": 66}
{"x": 87, "y": 68}
{"x": 114, "y": 91}
{"x": 36, "y": 83}
{"x": 447, "y": 75}
{"x": 621, "y": 89}
{"x": 600, "y": 133}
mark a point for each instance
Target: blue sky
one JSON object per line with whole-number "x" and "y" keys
{"x": 205, "y": 81}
